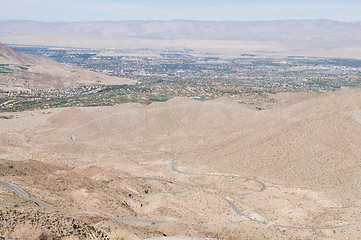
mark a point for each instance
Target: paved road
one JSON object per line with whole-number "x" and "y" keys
{"x": 234, "y": 207}
{"x": 138, "y": 220}
{"x": 263, "y": 186}
{"x": 313, "y": 228}
{"x": 21, "y": 193}
{"x": 11, "y": 204}
{"x": 236, "y": 210}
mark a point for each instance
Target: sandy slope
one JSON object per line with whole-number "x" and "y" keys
{"x": 306, "y": 150}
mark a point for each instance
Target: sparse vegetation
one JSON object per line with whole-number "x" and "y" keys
{"x": 29, "y": 102}
{"x": 29, "y": 224}
{"x": 158, "y": 100}
{"x": 7, "y": 117}
{"x": 34, "y": 230}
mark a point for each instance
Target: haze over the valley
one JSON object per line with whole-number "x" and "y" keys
{"x": 321, "y": 38}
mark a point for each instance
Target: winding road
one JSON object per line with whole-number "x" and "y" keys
{"x": 230, "y": 201}
{"x": 21, "y": 193}
{"x": 237, "y": 211}
{"x": 262, "y": 187}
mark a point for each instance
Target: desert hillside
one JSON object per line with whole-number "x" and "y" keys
{"x": 191, "y": 167}
{"x": 9, "y": 55}
{"x": 20, "y": 71}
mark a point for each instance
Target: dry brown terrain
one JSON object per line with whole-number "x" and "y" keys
{"x": 104, "y": 165}
{"x": 30, "y": 72}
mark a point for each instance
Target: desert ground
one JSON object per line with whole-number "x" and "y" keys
{"x": 193, "y": 168}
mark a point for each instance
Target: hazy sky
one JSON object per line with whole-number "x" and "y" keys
{"x": 235, "y": 10}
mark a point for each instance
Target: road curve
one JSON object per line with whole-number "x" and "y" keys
{"x": 234, "y": 207}
{"x": 263, "y": 186}
{"x": 21, "y": 193}
{"x": 313, "y": 228}
{"x": 137, "y": 220}
{"x": 237, "y": 211}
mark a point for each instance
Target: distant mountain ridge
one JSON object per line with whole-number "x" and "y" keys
{"x": 204, "y": 30}
{"x": 286, "y": 35}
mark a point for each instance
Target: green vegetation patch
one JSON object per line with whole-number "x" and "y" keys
{"x": 158, "y": 100}
{"x": 29, "y": 102}
{"x": 59, "y": 103}
{"x": 3, "y": 100}
{"x": 114, "y": 95}
{"x": 5, "y": 69}
{"x": 97, "y": 105}
{"x": 23, "y": 68}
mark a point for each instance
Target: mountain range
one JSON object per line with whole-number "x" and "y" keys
{"x": 286, "y": 37}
